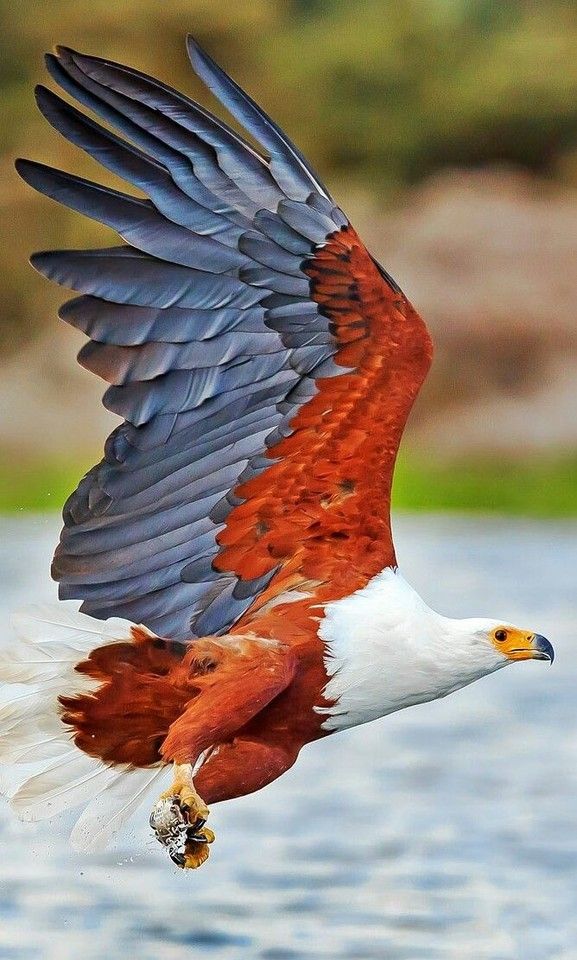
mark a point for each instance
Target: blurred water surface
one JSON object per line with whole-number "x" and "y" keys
{"x": 447, "y": 831}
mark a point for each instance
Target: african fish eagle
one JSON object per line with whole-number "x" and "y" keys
{"x": 232, "y": 551}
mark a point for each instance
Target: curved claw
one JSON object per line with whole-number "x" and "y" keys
{"x": 178, "y": 820}
{"x": 197, "y": 849}
{"x": 196, "y": 826}
{"x": 206, "y": 835}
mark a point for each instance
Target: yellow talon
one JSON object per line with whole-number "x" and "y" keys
{"x": 197, "y": 851}
{"x": 178, "y": 820}
{"x": 196, "y": 857}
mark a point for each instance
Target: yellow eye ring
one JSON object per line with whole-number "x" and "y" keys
{"x": 500, "y": 635}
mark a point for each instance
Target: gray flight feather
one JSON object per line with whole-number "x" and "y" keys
{"x": 203, "y": 324}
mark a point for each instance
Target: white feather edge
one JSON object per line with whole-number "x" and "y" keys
{"x": 112, "y": 808}
{"x": 63, "y": 622}
{"x": 53, "y": 639}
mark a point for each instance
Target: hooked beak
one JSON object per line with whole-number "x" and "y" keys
{"x": 538, "y": 648}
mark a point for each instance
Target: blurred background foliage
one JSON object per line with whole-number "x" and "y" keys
{"x": 381, "y": 96}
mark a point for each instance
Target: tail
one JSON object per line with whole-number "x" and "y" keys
{"x": 46, "y": 666}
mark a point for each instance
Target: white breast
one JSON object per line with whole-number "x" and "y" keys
{"x": 386, "y": 649}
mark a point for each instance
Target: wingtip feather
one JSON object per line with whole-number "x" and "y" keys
{"x": 20, "y": 165}
{"x": 32, "y": 172}
{"x": 194, "y": 48}
{"x": 62, "y": 51}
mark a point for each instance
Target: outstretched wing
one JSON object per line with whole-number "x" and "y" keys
{"x": 263, "y": 363}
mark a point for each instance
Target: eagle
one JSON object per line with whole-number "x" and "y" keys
{"x": 228, "y": 584}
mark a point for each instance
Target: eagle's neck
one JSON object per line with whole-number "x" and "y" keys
{"x": 386, "y": 650}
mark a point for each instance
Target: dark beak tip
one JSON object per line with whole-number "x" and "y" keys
{"x": 542, "y": 645}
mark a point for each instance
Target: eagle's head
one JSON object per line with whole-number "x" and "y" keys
{"x": 496, "y": 644}
{"x": 516, "y": 644}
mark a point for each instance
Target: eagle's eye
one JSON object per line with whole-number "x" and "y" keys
{"x": 500, "y": 635}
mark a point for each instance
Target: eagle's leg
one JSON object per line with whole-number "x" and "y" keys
{"x": 183, "y": 792}
{"x": 178, "y": 820}
{"x": 245, "y": 674}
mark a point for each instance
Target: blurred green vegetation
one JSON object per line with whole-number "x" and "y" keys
{"x": 530, "y": 488}
{"x": 36, "y": 486}
{"x": 378, "y": 93}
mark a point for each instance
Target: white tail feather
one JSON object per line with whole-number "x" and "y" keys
{"x": 39, "y": 748}
{"x": 63, "y": 623}
{"x": 22, "y": 727}
{"x": 19, "y": 708}
{"x": 107, "y": 813}
{"x": 54, "y": 638}
{"x": 35, "y": 662}
{"x": 64, "y": 784}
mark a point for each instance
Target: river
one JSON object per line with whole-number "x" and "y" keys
{"x": 445, "y": 832}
